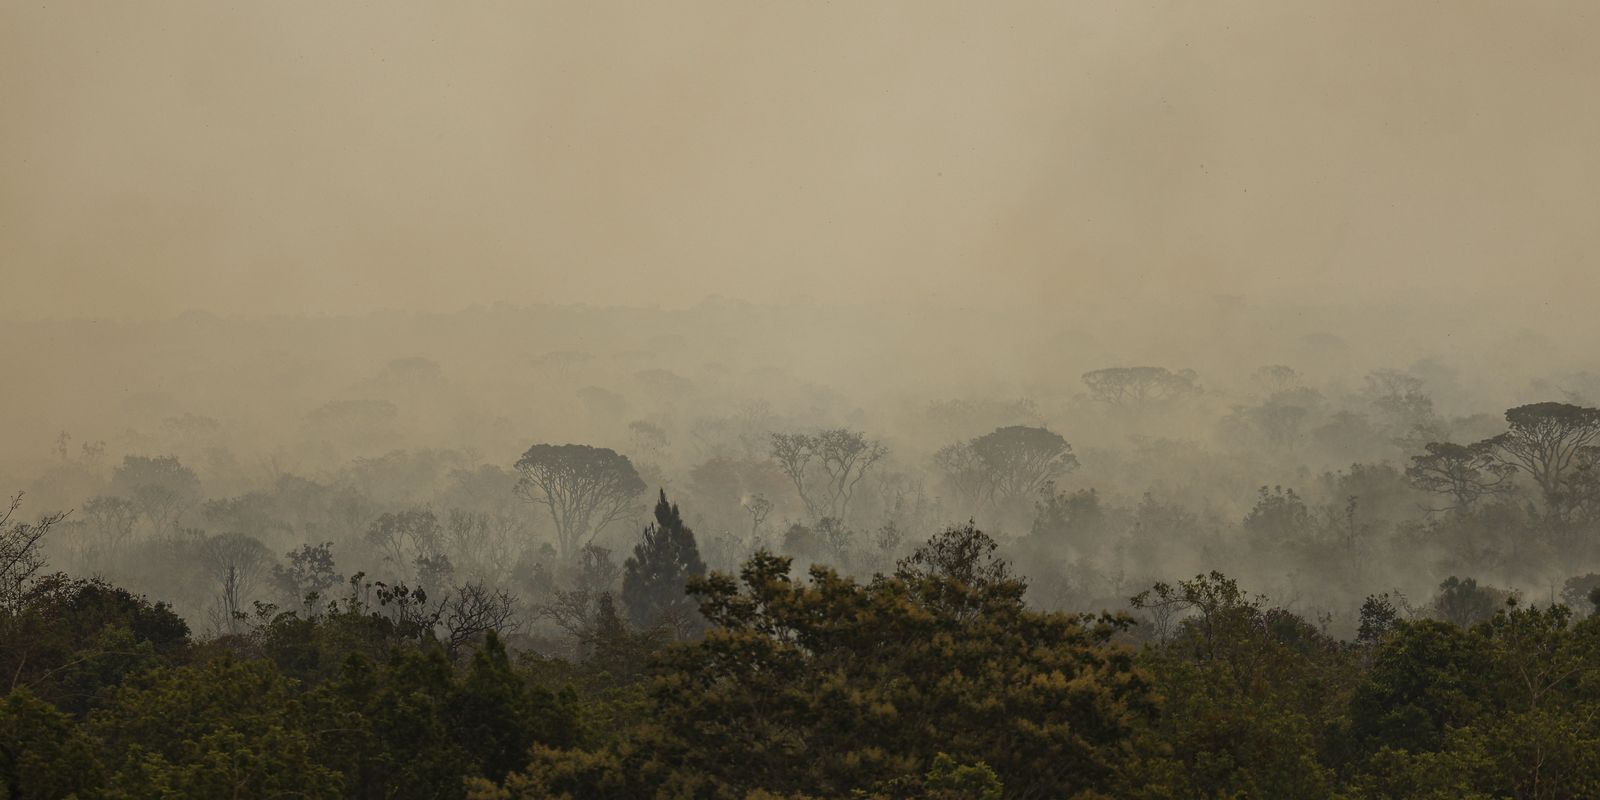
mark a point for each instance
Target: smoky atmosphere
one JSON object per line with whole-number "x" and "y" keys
{"x": 791, "y": 401}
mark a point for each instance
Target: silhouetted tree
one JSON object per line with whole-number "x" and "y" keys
{"x": 1019, "y": 460}
{"x": 1463, "y": 473}
{"x": 1463, "y": 602}
{"x": 307, "y": 575}
{"x": 654, "y": 577}
{"x": 585, "y": 488}
{"x": 411, "y": 540}
{"x": 826, "y": 467}
{"x": 1544, "y": 441}
{"x": 21, "y": 553}
{"x": 234, "y": 562}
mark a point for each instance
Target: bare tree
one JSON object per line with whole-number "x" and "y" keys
{"x": 585, "y": 488}
{"x": 474, "y": 609}
{"x": 573, "y": 610}
{"x": 794, "y": 452}
{"x": 20, "y": 556}
{"x": 236, "y": 562}
{"x": 759, "y": 508}
{"x": 826, "y": 467}
{"x": 483, "y": 544}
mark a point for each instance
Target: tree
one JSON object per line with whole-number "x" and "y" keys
{"x": 621, "y": 653}
{"x": 1581, "y": 593}
{"x": 308, "y": 575}
{"x": 964, "y": 474}
{"x": 1545, "y": 440}
{"x": 483, "y": 545}
{"x": 161, "y": 486}
{"x": 1019, "y": 460}
{"x": 21, "y": 556}
{"x": 1280, "y": 419}
{"x": 42, "y": 752}
{"x": 475, "y": 610}
{"x": 841, "y": 456}
{"x": 1241, "y": 682}
{"x": 113, "y": 520}
{"x": 1279, "y": 515}
{"x": 1427, "y": 677}
{"x": 486, "y": 524}
{"x": 235, "y": 562}
{"x": 573, "y": 609}
{"x": 1462, "y": 602}
{"x": 1400, "y": 397}
{"x": 413, "y": 541}
{"x": 1133, "y": 386}
{"x": 959, "y": 557}
{"x": 1462, "y": 473}
{"x": 828, "y": 686}
{"x": 70, "y": 641}
{"x": 654, "y": 577}
{"x": 222, "y": 729}
{"x": 585, "y": 489}
{"x": 1063, "y": 519}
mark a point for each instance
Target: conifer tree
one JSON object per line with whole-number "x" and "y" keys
{"x": 654, "y": 577}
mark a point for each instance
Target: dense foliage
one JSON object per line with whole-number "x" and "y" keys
{"x": 936, "y": 680}
{"x": 428, "y": 623}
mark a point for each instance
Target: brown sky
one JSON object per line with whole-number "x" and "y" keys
{"x": 280, "y": 156}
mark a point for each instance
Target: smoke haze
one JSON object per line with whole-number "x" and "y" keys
{"x": 296, "y": 157}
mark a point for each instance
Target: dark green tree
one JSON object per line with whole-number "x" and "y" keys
{"x": 829, "y": 686}
{"x": 43, "y": 752}
{"x": 655, "y": 576}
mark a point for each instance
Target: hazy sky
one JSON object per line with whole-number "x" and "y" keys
{"x": 326, "y": 157}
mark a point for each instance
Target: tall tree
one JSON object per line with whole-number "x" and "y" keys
{"x": 585, "y": 489}
{"x": 1463, "y": 473}
{"x": 411, "y": 540}
{"x": 1545, "y": 441}
{"x": 655, "y": 576}
{"x": 234, "y": 562}
{"x": 826, "y": 467}
{"x": 1019, "y": 460}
